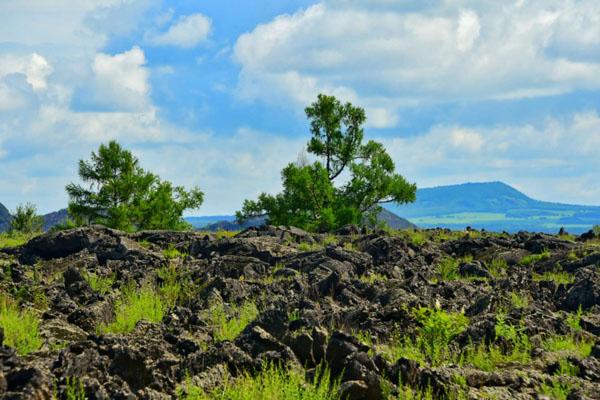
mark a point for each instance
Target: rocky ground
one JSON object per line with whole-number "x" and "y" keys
{"x": 432, "y": 314}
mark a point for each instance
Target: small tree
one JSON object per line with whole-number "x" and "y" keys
{"x": 122, "y": 195}
{"x": 310, "y": 198}
{"x": 26, "y": 220}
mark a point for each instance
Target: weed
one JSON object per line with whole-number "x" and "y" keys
{"x": 364, "y": 337}
{"x": 171, "y": 253}
{"x": 14, "y": 239}
{"x": 133, "y": 306}
{"x": 350, "y": 246}
{"x": 330, "y": 240}
{"x": 565, "y": 368}
{"x": 533, "y": 258}
{"x": 498, "y": 267}
{"x": 272, "y": 383}
{"x": 100, "y": 284}
{"x": 229, "y": 328}
{"x": 574, "y": 320}
{"x": 373, "y": 278}
{"x": 74, "y": 389}
{"x": 169, "y": 289}
{"x": 294, "y": 316}
{"x": 21, "y": 327}
{"x": 572, "y": 256}
{"x": 557, "y": 276}
{"x": 518, "y": 300}
{"x": 448, "y": 269}
{"x": 569, "y": 344}
{"x": 223, "y": 234}
{"x": 305, "y": 246}
{"x": 437, "y": 330}
{"x": 556, "y": 389}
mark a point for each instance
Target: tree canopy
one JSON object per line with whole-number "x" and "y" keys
{"x": 26, "y": 220}
{"x": 122, "y": 195}
{"x": 310, "y": 198}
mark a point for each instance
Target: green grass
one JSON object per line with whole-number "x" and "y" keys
{"x": 100, "y": 284}
{"x": 574, "y": 320}
{"x": 14, "y": 239}
{"x": 133, "y": 306}
{"x": 518, "y": 300}
{"x": 170, "y": 290}
{"x": 560, "y": 277}
{"x": 497, "y": 267}
{"x": 533, "y": 258}
{"x": 431, "y": 341}
{"x": 305, "y": 246}
{"x": 373, "y": 278}
{"x": 171, "y": 253}
{"x": 490, "y": 357}
{"x": 568, "y": 344}
{"x": 74, "y": 389}
{"x": 21, "y": 327}
{"x": 447, "y": 269}
{"x": 273, "y": 383}
{"x": 229, "y": 328}
{"x": 223, "y": 234}
{"x": 556, "y": 389}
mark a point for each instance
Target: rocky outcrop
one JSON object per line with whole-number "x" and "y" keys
{"x": 347, "y": 303}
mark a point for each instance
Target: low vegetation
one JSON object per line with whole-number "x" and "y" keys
{"x": 533, "y": 258}
{"x": 272, "y": 383}
{"x": 229, "y": 327}
{"x": 133, "y": 306}
{"x": 21, "y": 327}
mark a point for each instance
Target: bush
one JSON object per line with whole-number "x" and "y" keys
{"x": 25, "y": 220}
{"x": 21, "y": 327}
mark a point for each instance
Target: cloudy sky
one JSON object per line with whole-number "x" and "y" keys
{"x": 211, "y": 93}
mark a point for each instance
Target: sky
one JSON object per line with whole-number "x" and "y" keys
{"x": 212, "y": 93}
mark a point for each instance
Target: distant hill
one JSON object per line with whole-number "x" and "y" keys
{"x": 4, "y": 218}
{"x": 494, "y": 206}
{"x": 228, "y": 222}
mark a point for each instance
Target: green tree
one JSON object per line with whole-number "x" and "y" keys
{"x": 26, "y": 220}
{"x": 310, "y": 198}
{"x": 122, "y": 195}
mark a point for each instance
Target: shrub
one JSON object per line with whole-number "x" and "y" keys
{"x": 225, "y": 328}
{"x": 272, "y": 383}
{"x": 21, "y": 327}
{"x": 448, "y": 269}
{"x": 25, "y": 220}
{"x": 133, "y": 306}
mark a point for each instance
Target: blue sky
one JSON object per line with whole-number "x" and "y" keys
{"x": 211, "y": 93}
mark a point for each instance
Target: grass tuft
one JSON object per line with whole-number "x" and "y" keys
{"x": 533, "y": 258}
{"x": 133, "y": 306}
{"x": 21, "y": 327}
{"x": 229, "y": 328}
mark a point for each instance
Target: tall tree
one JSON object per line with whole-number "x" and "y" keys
{"x": 310, "y": 197}
{"x": 122, "y": 195}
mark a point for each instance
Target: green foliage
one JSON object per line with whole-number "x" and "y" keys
{"x": 21, "y": 327}
{"x": 121, "y": 195}
{"x": 558, "y": 276}
{"x": 437, "y": 330}
{"x": 497, "y": 267}
{"x": 25, "y": 220}
{"x": 100, "y": 284}
{"x": 272, "y": 383}
{"x": 574, "y": 320}
{"x": 518, "y": 300}
{"x": 13, "y": 239}
{"x": 556, "y": 389}
{"x": 74, "y": 389}
{"x": 448, "y": 269}
{"x": 170, "y": 289}
{"x": 565, "y": 368}
{"x": 225, "y": 328}
{"x": 568, "y": 344}
{"x": 294, "y": 315}
{"x": 596, "y": 229}
{"x": 533, "y": 258}
{"x": 310, "y": 198}
{"x": 489, "y": 358}
{"x": 133, "y": 306}
{"x": 223, "y": 234}
{"x": 373, "y": 278}
{"x": 305, "y": 246}
{"x": 171, "y": 253}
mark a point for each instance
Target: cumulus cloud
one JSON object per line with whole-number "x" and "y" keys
{"x": 187, "y": 32}
{"x": 390, "y": 56}
{"x": 120, "y": 81}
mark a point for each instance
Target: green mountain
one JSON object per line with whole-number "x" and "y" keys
{"x": 494, "y": 206}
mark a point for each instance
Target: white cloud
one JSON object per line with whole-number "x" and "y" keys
{"x": 187, "y": 32}
{"x": 121, "y": 81}
{"x": 556, "y": 160}
{"x": 387, "y": 55}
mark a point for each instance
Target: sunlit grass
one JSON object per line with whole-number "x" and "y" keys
{"x": 21, "y": 327}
